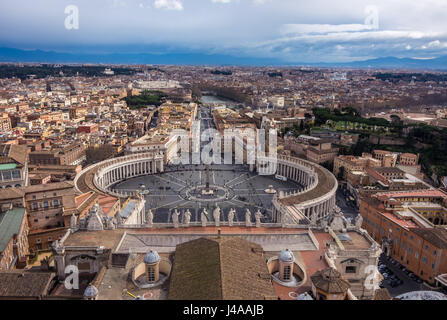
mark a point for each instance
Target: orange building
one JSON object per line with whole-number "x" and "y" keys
{"x": 405, "y": 234}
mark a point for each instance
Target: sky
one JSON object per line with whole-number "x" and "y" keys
{"x": 290, "y": 30}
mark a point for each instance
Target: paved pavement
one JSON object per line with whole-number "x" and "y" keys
{"x": 408, "y": 284}
{"x": 347, "y": 207}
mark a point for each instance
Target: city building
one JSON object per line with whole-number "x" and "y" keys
{"x": 13, "y": 166}
{"x": 13, "y": 239}
{"x": 410, "y": 226}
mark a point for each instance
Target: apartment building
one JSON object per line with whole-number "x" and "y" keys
{"x": 70, "y": 154}
{"x": 47, "y": 205}
{"x": 403, "y": 223}
{"x": 13, "y": 166}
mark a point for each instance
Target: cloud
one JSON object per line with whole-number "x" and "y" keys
{"x": 293, "y": 30}
{"x": 169, "y": 5}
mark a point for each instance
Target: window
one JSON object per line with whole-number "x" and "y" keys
{"x": 427, "y": 247}
{"x": 404, "y": 245}
{"x": 16, "y": 174}
{"x": 35, "y": 206}
{"x": 416, "y": 254}
{"x": 411, "y": 238}
{"x": 45, "y": 204}
{"x": 351, "y": 269}
{"x": 7, "y": 175}
{"x": 287, "y": 273}
{"x": 424, "y": 260}
{"x": 410, "y": 250}
{"x": 435, "y": 252}
{"x": 151, "y": 275}
{"x": 56, "y": 203}
{"x": 433, "y": 266}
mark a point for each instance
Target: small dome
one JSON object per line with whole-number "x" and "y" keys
{"x": 91, "y": 291}
{"x": 286, "y": 256}
{"x": 151, "y": 257}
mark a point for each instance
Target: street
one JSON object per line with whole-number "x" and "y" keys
{"x": 347, "y": 207}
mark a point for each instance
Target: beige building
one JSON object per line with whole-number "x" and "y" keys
{"x": 345, "y": 164}
{"x": 46, "y": 205}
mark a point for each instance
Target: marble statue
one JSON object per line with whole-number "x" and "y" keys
{"x": 204, "y": 218}
{"x": 231, "y": 217}
{"x": 187, "y": 218}
{"x": 248, "y": 218}
{"x": 338, "y": 223}
{"x": 314, "y": 219}
{"x": 258, "y": 216}
{"x": 150, "y": 217}
{"x": 216, "y": 215}
{"x": 175, "y": 218}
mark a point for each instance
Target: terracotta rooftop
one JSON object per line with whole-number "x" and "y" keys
{"x": 226, "y": 268}
{"x": 330, "y": 281}
{"x": 25, "y": 284}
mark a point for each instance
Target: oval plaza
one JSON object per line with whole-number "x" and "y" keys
{"x": 283, "y": 232}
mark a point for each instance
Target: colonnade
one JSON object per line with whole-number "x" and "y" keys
{"x": 318, "y": 205}
{"x": 113, "y": 171}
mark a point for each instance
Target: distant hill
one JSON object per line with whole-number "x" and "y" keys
{"x": 393, "y": 62}
{"x": 39, "y": 56}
